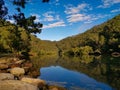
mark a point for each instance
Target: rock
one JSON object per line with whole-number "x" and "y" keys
{"x": 17, "y": 71}
{"x": 54, "y": 88}
{"x": 16, "y": 85}
{"x": 13, "y": 65}
{"x": 3, "y": 66}
{"x": 28, "y": 64}
{"x": 7, "y": 60}
{"x": 6, "y": 76}
{"x": 37, "y": 82}
{"x": 26, "y": 69}
{"x": 19, "y": 61}
{"x": 4, "y": 60}
{"x": 34, "y": 73}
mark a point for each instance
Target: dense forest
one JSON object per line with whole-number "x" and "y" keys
{"x": 101, "y": 39}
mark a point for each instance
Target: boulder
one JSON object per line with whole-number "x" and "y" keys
{"x": 19, "y": 61}
{"x": 6, "y": 76}
{"x": 3, "y": 66}
{"x": 17, "y": 71}
{"x": 28, "y": 64}
{"x": 37, "y": 82}
{"x": 16, "y": 85}
{"x": 13, "y": 65}
{"x": 7, "y": 60}
{"x": 54, "y": 88}
{"x": 4, "y": 60}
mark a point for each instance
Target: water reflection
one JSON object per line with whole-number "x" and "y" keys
{"x": 103, "y": 69}
{"x": 71, "y": 79}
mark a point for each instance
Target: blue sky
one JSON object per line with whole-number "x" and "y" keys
{"x": 64, "y": 18}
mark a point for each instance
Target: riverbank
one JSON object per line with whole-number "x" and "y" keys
{"x": 20, "y": 74}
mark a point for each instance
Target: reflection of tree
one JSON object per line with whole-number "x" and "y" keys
{"x": 102, "y": 69}
{"x": 112, "y": 72}
{"x": 86, "y": 58}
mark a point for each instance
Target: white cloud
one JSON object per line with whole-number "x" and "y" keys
{"x": 108, "y": 3}
{"x": 74, "y": 13}
{"x": 77, "y": 17}
{"x": 115, "y": 10}
{"x": 55, "y": 2}
{"x": 73, "y": 10}
{"x": 56, "y": 24}
{"x": 50, "y": 16}
{"x": 96, "y": 17}
{"x": 11, "y": 21}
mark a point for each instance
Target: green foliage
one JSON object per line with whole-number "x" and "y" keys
{"x": 42, "y": 47}
{"x": 86, "y": 50}
{"x": 11, "y": 38}
{"x": 104, "y": 38}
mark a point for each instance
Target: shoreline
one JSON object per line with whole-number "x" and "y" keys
{"x": 20, "y": 74}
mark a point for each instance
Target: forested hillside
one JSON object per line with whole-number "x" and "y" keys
{"x": 43, "y": 47}
{"x": 102, "y": 39}
{"x": 14, "y": 39}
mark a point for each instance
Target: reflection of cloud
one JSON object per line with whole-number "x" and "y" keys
{"x": 108, "y": 3}
{"x": 56, "y": 24}
{"x": 115, "y": 10}
{"x": 55, "y": 2}
{"x": 62, "y": 84}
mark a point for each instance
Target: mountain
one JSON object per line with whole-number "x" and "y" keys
{"x": 101, "y": 39}
{"x": 104, "y": 38}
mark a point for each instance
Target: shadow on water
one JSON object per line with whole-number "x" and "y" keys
{"x": 104, "y": 69}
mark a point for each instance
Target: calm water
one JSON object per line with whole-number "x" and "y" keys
{"x": 81, "y": 73}
{"x": 60, "y": 76}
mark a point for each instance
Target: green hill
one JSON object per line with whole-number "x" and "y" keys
{"x": 43, "y": 47}
{"x": 104, "y": 38}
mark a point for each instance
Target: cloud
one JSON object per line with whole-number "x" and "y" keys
{"x": 77, "y": 17}
{"x": 108, "y": 3}
{"x": 55, "y": 2}
{"x": 73, "y": 10}
{"x": 96, "y": 17}
{"x": 50, "y": 16}
{"x": 56, "y": 24}
{"x": 11, "y": 21}
{"x": 115, "y": 10}
{"x": 74, "y": 13}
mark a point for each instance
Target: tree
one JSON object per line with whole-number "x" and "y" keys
{"x": 3, "y": 9}
{"x": 20, "y": 21}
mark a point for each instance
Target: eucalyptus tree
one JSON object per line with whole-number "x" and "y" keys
{"x": 27, "y": 23}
